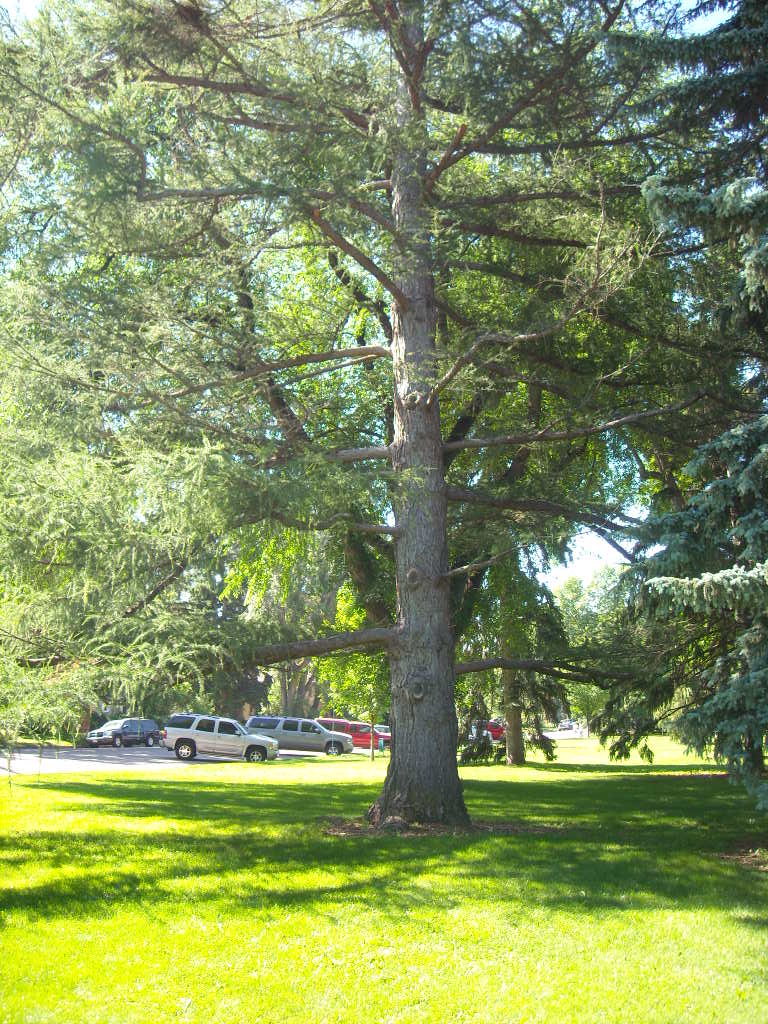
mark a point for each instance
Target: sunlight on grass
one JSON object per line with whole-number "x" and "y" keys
{"x": 215, "y": 894}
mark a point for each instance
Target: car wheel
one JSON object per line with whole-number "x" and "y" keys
{"x": 150, "y": 741}
{"x": 255, "y": 754}
{"x": 117, "y": 741}
{"x": 185, "y": 750}
{"x": 334, "y": 749}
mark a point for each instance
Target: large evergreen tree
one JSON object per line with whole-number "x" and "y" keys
{"x": 360, "y": 267}
{"x": 708, "y": 582}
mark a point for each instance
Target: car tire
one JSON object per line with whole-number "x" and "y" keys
{"x": 117, "y": 741}
{"x": 333, "y": 749}
{"x": 149, "y": 741}
{"x": 185, "y": 750}
{"x": 255, "y": 754}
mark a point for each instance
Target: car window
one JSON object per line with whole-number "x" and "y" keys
{"x": 113, "y": 725}
{"x": 310, "y": 727}
{"x": 181, "y": 721}
{"x": 205, "y": 725}
{"x": 290, "y": 725}
{"x": 148, "y": 724}
{"x": 132, "y": 724}
{"x": 262, "y": 723}
{"x": 228, "y": 729}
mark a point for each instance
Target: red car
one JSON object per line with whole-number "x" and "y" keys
{"x": 361, "y": 735}
{"x": 359, "y": 731}
{"x": 495, "y": 730}
{"x": 334, "y": 724}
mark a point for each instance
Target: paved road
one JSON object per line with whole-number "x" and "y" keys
{"x": 27, "y": 761}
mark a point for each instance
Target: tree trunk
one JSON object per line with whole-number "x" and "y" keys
{"x": 422, "y": 781}
{"x": 513, "y": 717}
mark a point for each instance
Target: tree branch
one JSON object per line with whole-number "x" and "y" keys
{"x": 502, "y": 339}
{"x": 543, "y": 436}
{"x": 472, "y": 567}
{"x": 547, "y": 668}
{"x": 341, "y": 519}
{"x": 360, "y": 454}
{"x": 359, "y": 257}
{"x": 159, "y": 75}
{"x": 158, "y": 589}
{"x": 515, "y": 235}
{"x": 553, "y": 508}
{"x": 339, "y": 643}
{"x": 361, "y": 353}
{"x": 442, "y": 163}
{"x": 510, "y": 198}
{"x": 505, "y": 120}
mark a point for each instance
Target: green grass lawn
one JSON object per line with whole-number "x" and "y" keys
{"x": 212, "y": 893}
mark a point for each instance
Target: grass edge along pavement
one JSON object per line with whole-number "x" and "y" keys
{"x": 628, "y": 892}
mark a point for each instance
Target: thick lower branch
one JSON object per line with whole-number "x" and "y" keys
{"x": 545, "y": 668}
{"x": 340, "y": 643}
{"x": 359, "y": 454}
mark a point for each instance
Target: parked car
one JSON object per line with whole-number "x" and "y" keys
{"x": 125, "y": 732}
{"x": 335, "y": 724}
{"x": 359, "y": 731}
{"x": 565, "y": 724}
{"x": 495, "y": 729}
{"x": 385, "y": 731}
{"x": 300, "y": 734}
{"x": 190, "y": 734}
{"x": 361, "y": 735}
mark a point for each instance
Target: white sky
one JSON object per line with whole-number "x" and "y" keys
{"x": 590, "y": 554}
{"x": 21, "y": 8}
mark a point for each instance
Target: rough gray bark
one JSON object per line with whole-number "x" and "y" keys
{"x": 422, "y": 782}
{"x": 513, "y": 717}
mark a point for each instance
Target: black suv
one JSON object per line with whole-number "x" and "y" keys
{"x": 125, "y": 732}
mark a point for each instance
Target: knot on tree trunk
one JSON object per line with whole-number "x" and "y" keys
{"x": 414, "y": 577}
{"x": 413, "y": 399}
{"x": 415, "y": 687}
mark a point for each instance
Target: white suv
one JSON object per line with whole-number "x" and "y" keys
{"x": 190, "y": 734}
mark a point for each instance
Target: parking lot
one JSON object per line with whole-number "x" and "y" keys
{"x": 27, "y": 760}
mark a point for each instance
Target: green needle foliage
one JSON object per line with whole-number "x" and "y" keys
{"x": 709, "y": 583}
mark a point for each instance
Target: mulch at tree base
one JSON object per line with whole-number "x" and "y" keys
{"x": 756, "y": 859}
{"x": 354, "y": 827}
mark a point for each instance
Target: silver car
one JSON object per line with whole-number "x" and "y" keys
{"x": 300, "y": 734}
{"x": 190, "y": 734}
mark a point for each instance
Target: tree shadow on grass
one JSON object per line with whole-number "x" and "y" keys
{"x": 616, "y": 842}
{"x": 622, "y": 768}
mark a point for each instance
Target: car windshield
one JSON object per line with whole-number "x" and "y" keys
{"x": 113, "y": 725}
